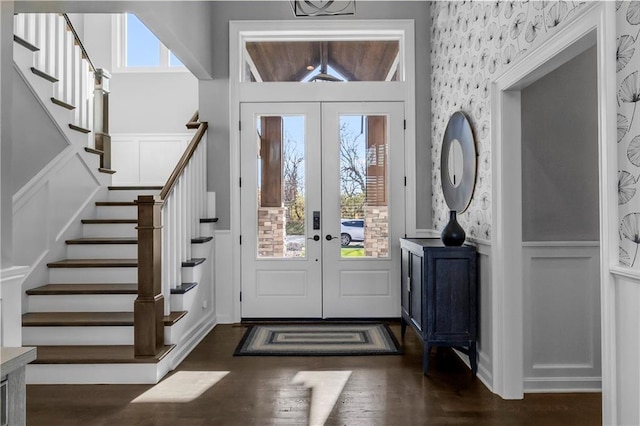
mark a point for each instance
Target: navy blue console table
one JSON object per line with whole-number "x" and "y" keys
{"x": 439, "y": 295}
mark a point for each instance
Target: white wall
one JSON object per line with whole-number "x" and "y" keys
{"x": 36, "y": 138}
{"x": 6, "y": 92}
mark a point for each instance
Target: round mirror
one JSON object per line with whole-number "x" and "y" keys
{"x": 455, "y": 163}
{"x": 458, "y": 163}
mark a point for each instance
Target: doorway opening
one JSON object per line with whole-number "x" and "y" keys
{"x": 508, "y": 320}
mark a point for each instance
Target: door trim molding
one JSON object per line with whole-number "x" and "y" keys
{"x": 594, "y": 25}
{"x": 356, "y": 91}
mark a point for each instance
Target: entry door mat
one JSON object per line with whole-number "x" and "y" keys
{"x": 318, "y": 340}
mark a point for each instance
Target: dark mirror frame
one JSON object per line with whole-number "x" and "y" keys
{"x": 459, "y": 127}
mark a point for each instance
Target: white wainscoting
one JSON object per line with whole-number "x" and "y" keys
{"x": 146, "y": 159}
{"x": 561, "y": 314}
{"x": 627, "y": 318}
{"x": 226, "y": 300}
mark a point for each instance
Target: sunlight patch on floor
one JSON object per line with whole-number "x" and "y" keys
{"x": 183, "y": 386}
{"x": 326, "y": 387}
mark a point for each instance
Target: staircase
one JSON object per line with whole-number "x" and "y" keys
{"x": 92, "y": 312}
{"x": 81, "y": 320}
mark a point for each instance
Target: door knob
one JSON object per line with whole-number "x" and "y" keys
{"x": 329, "y": 237}
{"x": 314, "y": 238}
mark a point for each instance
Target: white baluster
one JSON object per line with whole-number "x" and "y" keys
{"x": 76, "y": 81}
{"x": 50, "y": 51}
{"x": 67, "y": 87}
{"x": 40, "y": 40}
{"x": 30, "y": 28}
{"x": 183, "y": 219}
{"x": 59, "y": 64}
{"x": 176, "y": 267}
{"x": 19, "y": 21}
{"x": 187, "y": 206}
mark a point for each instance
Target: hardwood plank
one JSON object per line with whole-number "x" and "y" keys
{"x": 381, "y": 390}
{"x": 98, "y": 288}
{"x": 94, "y": 263}
{"x": 101, "y": 354}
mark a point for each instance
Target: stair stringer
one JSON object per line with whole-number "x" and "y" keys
{"x": 199, "y": 304}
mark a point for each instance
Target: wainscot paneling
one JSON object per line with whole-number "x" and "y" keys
{"x": 561, "y": 316}
{"x": 146, "y": 159}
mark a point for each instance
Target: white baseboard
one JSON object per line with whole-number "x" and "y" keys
{"x": 562, "y": 384}
{"x": 192, "y": 338}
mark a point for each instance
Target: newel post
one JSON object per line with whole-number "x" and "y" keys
{"x": 101, "y": 116}
{"x": 148, "y": 308}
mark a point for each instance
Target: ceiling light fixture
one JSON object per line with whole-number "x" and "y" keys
{"x": 323, "y": 7}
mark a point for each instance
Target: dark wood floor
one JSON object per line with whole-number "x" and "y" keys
{"x": 382, "y": 390}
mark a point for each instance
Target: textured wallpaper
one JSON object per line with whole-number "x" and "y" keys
{"x": 628, "y": 95}
{"x": 471, "y": 44}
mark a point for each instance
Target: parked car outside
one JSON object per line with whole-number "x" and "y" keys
{"x": 351, "y": 230}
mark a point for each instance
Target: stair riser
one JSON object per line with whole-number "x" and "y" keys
{"x": 185, "y": 302}
{"x": 48, "y": 374}
{"x": 105, "y": 335}
{"x": 193, "y": 274}
{"x": 102, "y": 251}
{"x": 127, "y": 195}
{"x": 82, "y": 303}
{"x": 117, "y": 212}
{"x": 110, "y": 230}
{"x": 93, "y": 275}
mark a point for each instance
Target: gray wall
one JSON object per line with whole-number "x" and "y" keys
{"x": 36, "y": 140}
{"x": 6, "y": 77}
{"x": 560, "y": 154}
{"x": 214, "y": 94}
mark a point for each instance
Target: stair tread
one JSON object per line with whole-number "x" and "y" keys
{"x": 115, "y": 203}
{"x": 79, "y": 128}
{"x": 93, "y": 151}
{"x": 25, "y": 43}
{"x": 94, "y": 263}
{"x": 103, "y": 221}
{"x": 90, "y": 319}
{"x": 201, "y": 240}
{"x": 66, "y": 289}
{"x": 62, "y": 103}
{"x": 44, "y": 75}
{"x": 95, "y": 354}
{"x": 190, "y": 263}
{"x": 134, "y": 188}
{"x": 104, "y": 240}
{"x": 108, "y": 171}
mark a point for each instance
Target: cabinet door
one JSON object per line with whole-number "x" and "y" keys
{"x": 416, "y": 290}
{"x": 450, "y": 291}
{"x": 405, "y": 277}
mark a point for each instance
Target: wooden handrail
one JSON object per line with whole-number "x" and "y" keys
{"x": 193, "y": 122}
{"x": 78, "y": 41}
{"x": 184, "y": 160}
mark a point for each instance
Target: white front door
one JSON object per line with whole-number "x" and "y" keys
{"x": 322, "y": 199}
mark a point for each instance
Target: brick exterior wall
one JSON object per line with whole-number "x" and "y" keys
{"x": 376, "y": 231}
{"x": 271, "y": 230}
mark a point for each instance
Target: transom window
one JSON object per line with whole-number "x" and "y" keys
{"x": 367, "y": 58}
{"x": 139, "y": 49}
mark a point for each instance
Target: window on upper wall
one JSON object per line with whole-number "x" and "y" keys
{"x": 138, "y": 49}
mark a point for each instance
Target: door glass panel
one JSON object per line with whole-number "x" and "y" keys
{"x": 364, "y": 182}
{"x": 281, "y": 200}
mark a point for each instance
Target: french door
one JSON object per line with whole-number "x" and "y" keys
{"x": 322, "y": 205}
